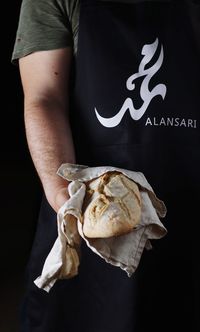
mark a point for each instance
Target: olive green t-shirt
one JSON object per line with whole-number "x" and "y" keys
{"x": 46, "y": 25}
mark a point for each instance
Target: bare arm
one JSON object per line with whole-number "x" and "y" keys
{"x": 45, "y": 81}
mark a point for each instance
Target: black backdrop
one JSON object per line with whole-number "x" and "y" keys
{"x": 20, "y": 186}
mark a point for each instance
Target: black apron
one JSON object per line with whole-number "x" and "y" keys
{"x": 136, "y": 105}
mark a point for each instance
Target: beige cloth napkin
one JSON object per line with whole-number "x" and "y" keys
{"x": 123, "y": 251}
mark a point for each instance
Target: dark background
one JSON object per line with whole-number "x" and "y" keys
{"x": 20, "y": 185}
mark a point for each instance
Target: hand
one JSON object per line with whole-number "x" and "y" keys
{"x": 57, "y": 197}
{"x": 61, "y": 197}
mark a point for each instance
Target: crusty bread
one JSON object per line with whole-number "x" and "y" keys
{"x": 112, "y": 206}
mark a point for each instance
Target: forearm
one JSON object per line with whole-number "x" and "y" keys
{"x": 50, "y": 143}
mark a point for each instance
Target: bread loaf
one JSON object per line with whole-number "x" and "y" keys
{"x": 112, "y": 206}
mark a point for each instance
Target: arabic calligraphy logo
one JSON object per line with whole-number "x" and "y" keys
{"x": 148, "y": 51}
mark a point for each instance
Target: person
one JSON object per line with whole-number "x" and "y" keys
{"x": 114, "y": 83}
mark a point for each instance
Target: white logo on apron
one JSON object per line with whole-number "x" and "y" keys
{"x": 148, "y": 51}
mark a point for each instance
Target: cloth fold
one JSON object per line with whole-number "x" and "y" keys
{"x": 122, "y": 251}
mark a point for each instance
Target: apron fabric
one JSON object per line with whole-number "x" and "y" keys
{"x": 135, "y": 105}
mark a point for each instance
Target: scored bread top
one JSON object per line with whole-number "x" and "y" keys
{"x": 112, "y": 206}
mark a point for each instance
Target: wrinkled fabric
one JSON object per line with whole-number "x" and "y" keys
{"x": 122, "y": 251}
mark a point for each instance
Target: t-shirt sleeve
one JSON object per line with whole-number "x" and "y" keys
{"x": 43, "y": 25}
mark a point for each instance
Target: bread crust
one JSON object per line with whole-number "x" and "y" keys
{"x": 112, "y": 206}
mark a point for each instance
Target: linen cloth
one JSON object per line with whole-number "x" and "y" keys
{"x": 122, "y": 251}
